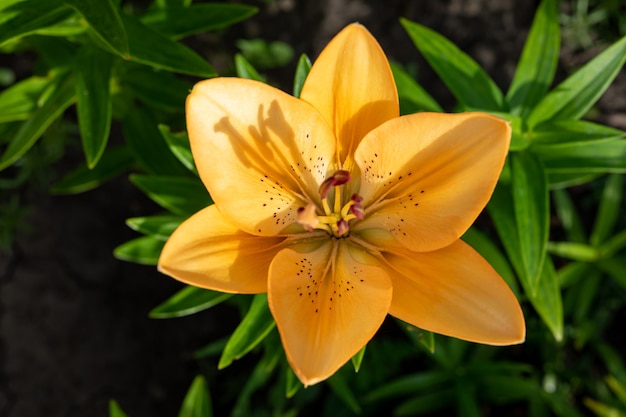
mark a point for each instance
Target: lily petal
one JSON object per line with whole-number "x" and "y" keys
{"x": 326, "y": 304}
{"x": 455, "y": 292}
{"x": 426, "y": 177}
{"x": 209, "y": 252}
{"x": 258, "y": 151}
{"x": 352, "y": 86}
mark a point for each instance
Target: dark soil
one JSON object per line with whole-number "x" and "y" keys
{"x": 74, "y": 329}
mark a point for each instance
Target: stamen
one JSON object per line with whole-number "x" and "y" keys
{"x": 307, "y": 217}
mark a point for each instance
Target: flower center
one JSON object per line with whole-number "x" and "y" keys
{"x": 336, "y": 220}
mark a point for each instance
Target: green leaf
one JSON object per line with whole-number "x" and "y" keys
{"x": 19, "y": 101}
{"x": 575, "y": 251}
{"x": 190, "y": 300}
{"x": 26, "y": 17}
{"x": 197, "y": 402}
{"x": 410, "y": 384}
{"x": 609, "y": 210}
{"x": 573, "y": 272}
{"x": 413, "y": 97}
{"x": 145, "y": 139}
{"x": 160, "y": 227}
{"x": 256, "y": 324}
{"x": 178, "y": 22}
{"x": 149, "y": 47}
{"x": 180, "y": 147}
{"x": 536, "y": 68}
{"x": 180, "y": 195}
{"x": 485, "y": 246}
{"x": 424, "y": 403}
{"x": 569, "y": 217}
{"x": 466, "y": 401}
{"x": 471, "y": 86}
{"x": 61, "y": 97}
{"x": 573, "y": 97}
{"x": 246, "y": 70}
{"x": 292, "y": 383}
{"x": 341, "y": 389}
{"x": 563, "y": 132}
{"x": 584, "y": 157}
{"x": 103, "y": 17}
{"x": 358, "y": 359}
{"x": 613, "y": 245}
{"x": 143, "y": 250}
{"x": 532, "y": 213}
{"x": 115, "y": 410}
{"x": 419, "y": 337}
{"x": 93, "y": 72}
{"x": 302, "y": 71}
{"x": 114, "y": 162}
{"x": 157, "y": 88}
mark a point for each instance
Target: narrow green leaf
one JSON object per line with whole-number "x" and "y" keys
{"x": 180, "y": 195}
{"x": 618, "y": 388}
{"x": 584, "y": 157}
{"x": 561, "y": 132}
{"x": 197, "y": 402}
{"x": 471, "y": 86}
{"x": 575, "y": 251}
{"x": 103, "y": 17}
{"x": 413, "y": 97}
{"x": 559, "y": 180}
{"x": 569, "y": 216}
{"x": 114, "y": 162}
{"x": 614, "y": 267}
{"x": 143, "y": 250}
{"x": 145, "y": 139}
{"x": 157, "y": 88}
{"x": 341, "y": 389}
{"x": 160, "y": 227}
{"x": 178, "y": 22}
{"x": 424, "y": 403}
{"x": 302, "y": 71}
{"x": 60, "y": 99}
{"x": 190, "y": 300}
{"x": 466, "y": 401}
{"x": 537, "y": 65}
{"x": 180, "y": 147}
{"x": 115, "y": 410}
{"x": 532, "y": 213}
{"x": 410, "y": 384}
{"x": 256, "y": 324}
{"x": 19, "y": 101}
{"x": 93, "y": 71}
{"x": 149, "y": 47}
{"x": 358, "y": 359}
{"x": 573, "y": 97}
{"x": 26, "y": 17}
{"x": 419, "y": 337}
{"x": 573, "y": 272}
{"x": 245, "y": 69}
{"x": 505, "y": 389}
{"x": 292, "y": 383}
{"x": 609, "y": 210}
{"x": 613, "y": 245}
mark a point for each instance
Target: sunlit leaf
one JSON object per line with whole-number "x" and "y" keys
{"x": 197, "y": 402}
{"x": 143, "y": 250}
{"x": 20, "y": 100}
{"x": 565, "y": 132}
{"x": 358, "y": 359}
{"x": 584, "y": 157}
{"x": 412, "y": 96}
{"x": 180, "y": 147}
{"x": 302, "y": 70}
{"x": 160, "y": 226}
{"x": 190, "y": 300}
{"x": 245, "y": 69}
{"x": 26, "y": 17}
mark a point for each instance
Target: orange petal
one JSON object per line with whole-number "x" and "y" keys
{"x": 455, "y": 292}
{"x": 258, "y": 150}
{"x": 327, "y": 305}
{"x": 209, "y": 252}
{"x": 352, "y": 86}
{"x": 426, "y": 177}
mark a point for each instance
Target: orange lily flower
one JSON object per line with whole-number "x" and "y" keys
{"x": 342, "y": 210}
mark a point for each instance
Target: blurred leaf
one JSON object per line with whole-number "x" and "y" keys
{"x": 609, "y": 210}
{"x": 197, "y": 402}
{"x": 573, "y": 272}
{"x": 149, "y": 47}
{"x": 114, "y": 162}
{"x": 180, "y": 195}
{"x": 26, "y": 17}
{"x": 569, "y": 217}
{"x": 93, "y": 72}
{"x": 420, "y": 337}
{"x": 537, "y": 65}
{"x": 584, "y": 157}
{"x": 20, "y": 100}
{"x": 613, "y": 245}
{"x": 104, "y": 19}
{"x": 410, "y": 92}
{"x": 358, "y": 359}
{"x": 256, "y": 324}
{"x": 573, "y": 97}
{"x": 245, "y": 69}
{"x": 190, "y": 300}
{"x": 410, "y": 384}
{"x": 565, "y": 180}
{"x": 602, "y": 410}
{"x": 423, "y": 403}
{"x": 613, "y": 359}
{"x": 115, "y": 410}
{"x": 292, "y": 383}
{"x": 143, "y": 136}
{"x": 505, "y": 389}
{"x": 143, "y": 250}
{"x": 618, "y": 388}
{"x": 178, "y": 22}
{"x": 264, "y": 54}
{"x": 471, "y": 86}
{"x": 160, "y": 227}
{"x": 180, "y": 147}
{"x": 340, "y": 388}
{"x": 54, "y": 52}
{"x": 575, "y": 251}
{"x": 532, "y": 214}
{"x": 302, "y": 71}
{"x": 485, "y": 246}
{"x": 61, "y": 97}
{"x": 614, "y": 267}
{"x": 157, "y": 88}
{"x": 466, "y": 401}
{"x": 571, "y": 131}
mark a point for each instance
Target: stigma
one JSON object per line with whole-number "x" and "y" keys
{"x": 333, "y": 219}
